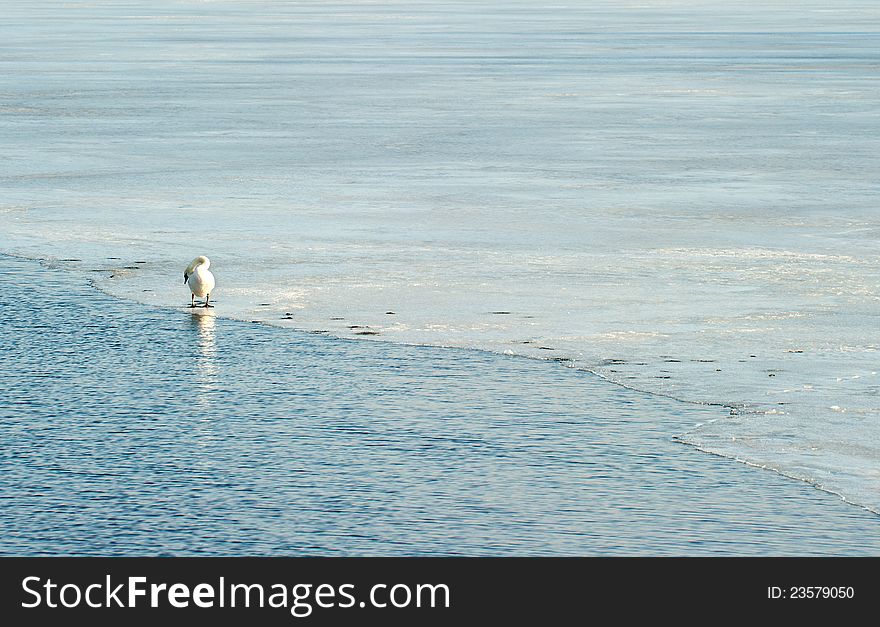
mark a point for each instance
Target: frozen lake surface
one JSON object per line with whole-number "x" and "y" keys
{"x": 679, "y": 196}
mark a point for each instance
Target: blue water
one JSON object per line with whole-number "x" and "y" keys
{"x": 134, "y": 430}
{"x": 679, "y": 195}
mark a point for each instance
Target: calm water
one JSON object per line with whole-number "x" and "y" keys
{"x": 128, "y": 429}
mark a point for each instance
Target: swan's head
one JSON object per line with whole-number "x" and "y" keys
{"x": 201, "y": 260}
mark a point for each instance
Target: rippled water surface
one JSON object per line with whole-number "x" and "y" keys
{"x": 680, "y": 195}
{"x": 127, "y": 429}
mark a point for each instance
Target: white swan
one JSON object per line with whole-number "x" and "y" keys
{"x": 199, "y": 279}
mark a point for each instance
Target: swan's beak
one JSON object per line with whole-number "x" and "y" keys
{"x": 185, "y": 278}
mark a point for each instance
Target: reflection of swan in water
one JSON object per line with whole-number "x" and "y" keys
{"x": 205, "y": 321}
{"x": 206, "y": 362}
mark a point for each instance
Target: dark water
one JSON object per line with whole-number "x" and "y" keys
{"x": 133, "y": 430}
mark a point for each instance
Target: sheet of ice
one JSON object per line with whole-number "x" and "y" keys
{"x": 681, "y": 196}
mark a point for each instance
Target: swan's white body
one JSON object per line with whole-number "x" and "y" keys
{"x": 199, "y": 278}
